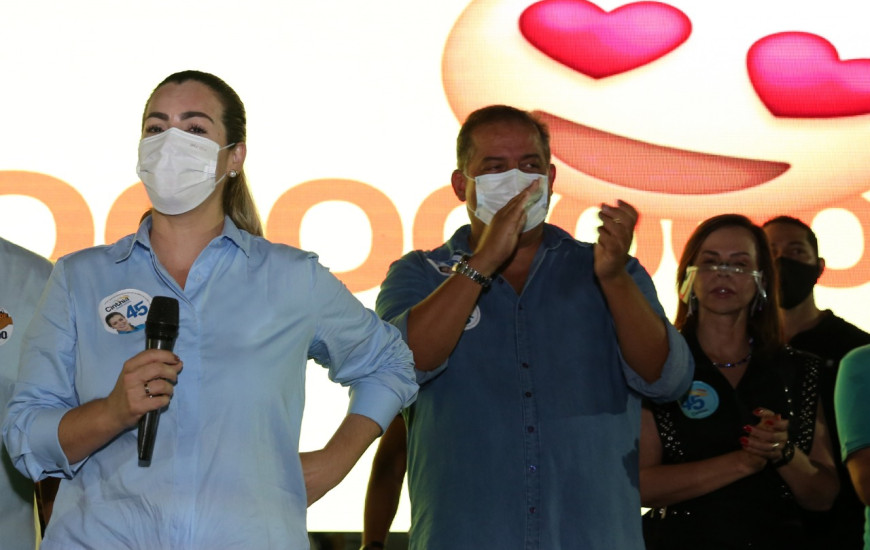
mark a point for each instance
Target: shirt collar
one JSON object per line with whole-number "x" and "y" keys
{"x": 554, "y": 236}
{"x": 142, "y": 237}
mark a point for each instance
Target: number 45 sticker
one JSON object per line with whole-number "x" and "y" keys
{"x": 124, "y": 311}
{"x": 139, "y": 309}
{"x": 700, "y": 402}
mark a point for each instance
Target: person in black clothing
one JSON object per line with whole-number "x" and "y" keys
{"x": 808, "y": 328}
{"x": 731, "y": 464}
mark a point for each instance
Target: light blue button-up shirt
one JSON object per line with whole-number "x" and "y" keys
{"x": 22, "y": 277}
{"x": 225, "y": 471}
{"x": 527, "y": 437}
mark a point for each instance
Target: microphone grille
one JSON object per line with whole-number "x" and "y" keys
{"x": 162, "y": 320}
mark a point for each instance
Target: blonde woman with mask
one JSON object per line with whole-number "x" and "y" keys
{"x": 226, "y": 471}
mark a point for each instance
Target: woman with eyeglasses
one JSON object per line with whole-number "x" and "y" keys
{"x": 730, "y": 464}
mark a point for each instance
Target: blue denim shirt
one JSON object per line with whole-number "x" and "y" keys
{"x": 225, "y": 471}
{"x": 22, "y": 277}
{"x": 527, "y": 437}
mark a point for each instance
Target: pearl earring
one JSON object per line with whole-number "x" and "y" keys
{"x": 233, "y": 173}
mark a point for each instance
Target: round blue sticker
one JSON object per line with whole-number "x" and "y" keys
{"x": 700, "y": 401}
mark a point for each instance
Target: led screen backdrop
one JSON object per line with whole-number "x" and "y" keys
{"x": 686, "y": 109}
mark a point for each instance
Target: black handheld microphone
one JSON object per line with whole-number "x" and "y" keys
{"x": 161, "y": 330}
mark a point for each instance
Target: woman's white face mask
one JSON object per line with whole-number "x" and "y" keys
{"x": 493, "y": 191}
{"x": 178, "y": 169}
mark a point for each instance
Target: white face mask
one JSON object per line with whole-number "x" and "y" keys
{"x": 493, "y": 191}
{"x": 178, "y": 169}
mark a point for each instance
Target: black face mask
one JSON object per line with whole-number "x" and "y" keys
{"x": 796, "y": 281}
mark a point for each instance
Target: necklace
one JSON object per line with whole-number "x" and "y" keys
{"x": 734, "y": 364}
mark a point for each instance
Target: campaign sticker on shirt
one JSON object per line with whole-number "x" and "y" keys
{"x": 446, "y": 268}
{"x": 701, "y": 400}
{"x": 473, "y": 319}
{"x": 5, "y": 326}
{"x": 124, "y": 312}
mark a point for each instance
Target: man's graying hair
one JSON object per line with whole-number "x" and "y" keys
{"x": 496, "y": 113}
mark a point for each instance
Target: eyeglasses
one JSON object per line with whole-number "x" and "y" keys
{"x": 724, "y": 268}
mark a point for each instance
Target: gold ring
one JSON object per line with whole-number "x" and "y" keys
{"x": 617, "y": 220}
{"x": 775, "y": 445}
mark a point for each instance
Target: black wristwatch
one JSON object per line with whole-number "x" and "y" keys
{"x": 787, "y": 455}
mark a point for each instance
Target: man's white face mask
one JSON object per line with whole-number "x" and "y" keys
{"x": 493, "y": 191}
{"x": 178, "y": 169}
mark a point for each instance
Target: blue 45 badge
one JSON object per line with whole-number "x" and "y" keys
{"x": 124, "y": 312}
{"x": 700, "y": 401}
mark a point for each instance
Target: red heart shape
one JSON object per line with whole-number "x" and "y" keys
{"x": 800, "y": 75}
{"x": 597, "y": 43}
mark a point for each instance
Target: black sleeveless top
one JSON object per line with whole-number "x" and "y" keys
{"x": 758, "y": 511}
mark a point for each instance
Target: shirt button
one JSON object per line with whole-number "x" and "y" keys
{"x": 532, "y": 510}
{"x": 525, "y": 365}
{"x": 530, "y": 429}
{"x": 528, "y": 394}
{"x": 533, "y": 468}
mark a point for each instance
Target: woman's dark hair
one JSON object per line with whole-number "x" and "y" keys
{"x": 763, "y": 325}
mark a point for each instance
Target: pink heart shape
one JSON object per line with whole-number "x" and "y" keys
{"x": 596, "y": 43}
{"x": 800, "y": 75}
